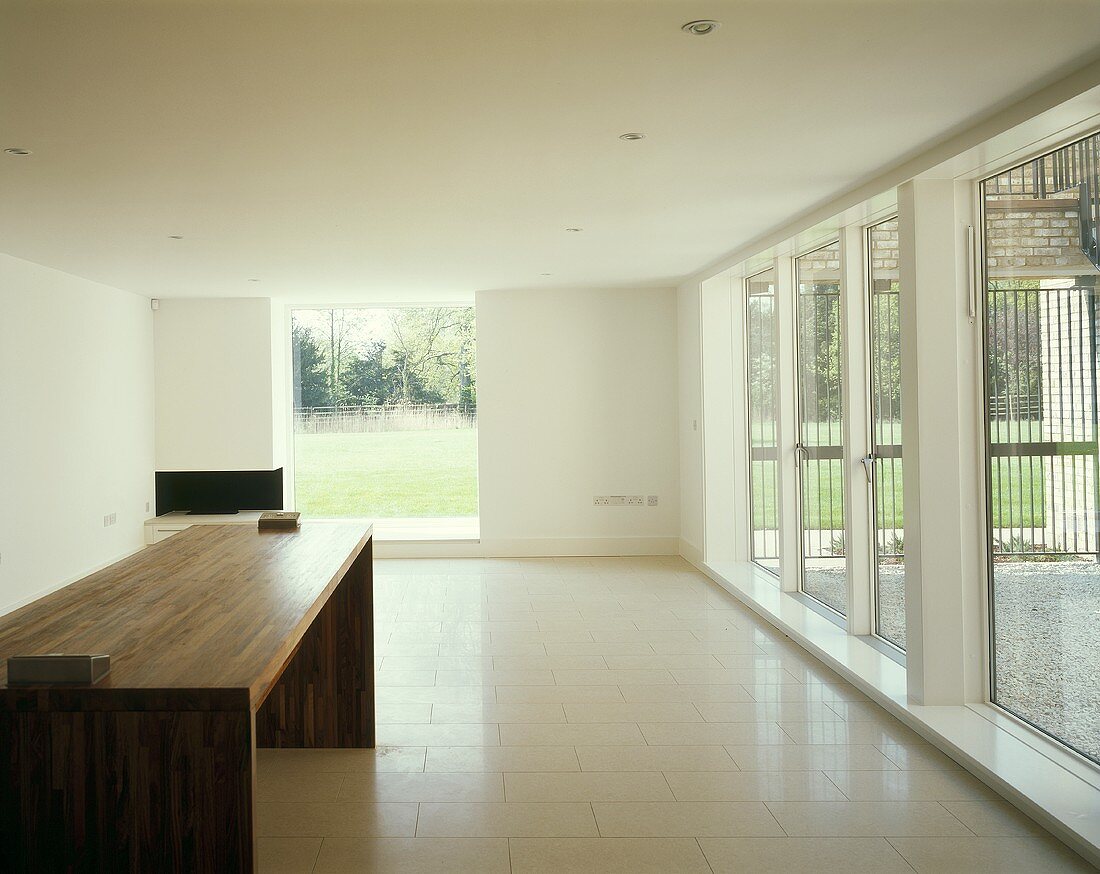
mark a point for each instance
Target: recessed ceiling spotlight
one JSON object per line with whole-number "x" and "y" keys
{"x": 546, "y": 274}
{"x": 702, "y": 27}
{"x": 574, "y": 230}
{"x": 17, "y": 152}
{"x": 253, "y": 280}
{"x": 175, "y": 236}
{"x": 632, "y": 136}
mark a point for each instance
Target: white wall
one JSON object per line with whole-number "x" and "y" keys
{"x": 577, "y": 396}
{"x": 220, "y": 395}
{"x": 76, "y": 427}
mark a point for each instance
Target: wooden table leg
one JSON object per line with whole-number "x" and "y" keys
{"x": 135, "y": 791}
{"x": 325, "y": 696}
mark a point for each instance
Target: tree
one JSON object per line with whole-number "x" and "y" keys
{"x": 422, "y": 355}
{"x": 365, "y": 379}
{"x": 820, "y": 352}
{"x": 310, "y": 377}
{"x": 433, "y": 349}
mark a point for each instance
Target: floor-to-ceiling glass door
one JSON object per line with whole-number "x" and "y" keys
{"x": 762, "y": 413}
{"x": 820, "y": 448}
{"x": 1042, "y": 269}
{"x": 883, "y": 464}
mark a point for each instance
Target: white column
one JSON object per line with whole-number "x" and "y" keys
{"x": 855, "y": 336}
{"x": 719, "y": 519}
{"x": 941, "y": 413}
{"x": 790, "y": 546}
{"x": 742, "y": 488}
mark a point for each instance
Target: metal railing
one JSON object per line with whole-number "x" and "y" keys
{"x": 763, "y": 457}
{"x": 1042, "y": 421}
{"x": 1074, "y": 168}
{"x": 369, "y": 418}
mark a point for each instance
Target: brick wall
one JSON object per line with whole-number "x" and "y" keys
{"x": 1037, "y": 236}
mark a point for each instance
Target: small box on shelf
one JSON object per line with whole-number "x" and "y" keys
{"x": 280, "y": 520}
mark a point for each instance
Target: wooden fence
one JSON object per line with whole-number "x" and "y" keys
{"x": 377, "y": 419}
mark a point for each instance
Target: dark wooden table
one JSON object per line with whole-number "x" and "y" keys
{"x": 222, "y": 639}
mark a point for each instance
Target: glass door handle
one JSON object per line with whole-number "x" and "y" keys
{"x": 802, "y": 452}
{"x": 868, "y": 462}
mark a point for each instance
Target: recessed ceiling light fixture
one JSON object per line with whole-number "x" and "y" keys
{"x": 253, "y": 280}
{"x": 574, "y": 230}
{"x": 19, "y": 152}
{"x": 632, "y": 136}
{"x": 546, "y": 274}
{"x": 702, "y": 27}
{"x": 175, "y": 236}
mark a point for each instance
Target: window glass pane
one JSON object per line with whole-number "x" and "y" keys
{"x": 885, "y": 370}
{"x": 821, "y": 451}
{"x": 763, "y": 476}
{"x": 385, "y": 412}
{"x": 1041, "y": 408}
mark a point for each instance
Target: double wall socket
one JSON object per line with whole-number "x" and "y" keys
{"x": 110, "y": 520}
{"x": 622, "y": 500}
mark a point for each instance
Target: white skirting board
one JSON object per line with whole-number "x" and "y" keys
{"x": 526, "y": 547}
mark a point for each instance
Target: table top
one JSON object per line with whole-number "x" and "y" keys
{"x": 212, "y": 614}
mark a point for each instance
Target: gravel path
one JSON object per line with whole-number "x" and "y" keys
{"x": 1047, "y": 640}
{"x": 1047, "y": 647}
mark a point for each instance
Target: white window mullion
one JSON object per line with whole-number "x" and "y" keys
{"x": 790, "y": 546}
{"x": 856, "y": 430}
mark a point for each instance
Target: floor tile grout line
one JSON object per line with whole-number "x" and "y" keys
{"x": 904, "y": 858}
{"x": 703, "y": 853}
{"x": 771, "y": 812}
{"x": 671, "y": 791}
{"x": 825, "y": 774}
{"x": 787, "y": 734}
{"x": 954, "y": 816}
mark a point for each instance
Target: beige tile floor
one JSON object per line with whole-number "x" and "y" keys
{"x": 619, "y": 715}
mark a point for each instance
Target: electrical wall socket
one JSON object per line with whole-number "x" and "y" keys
{"x": 618, "y": 501}
{"x": 110, "y": 520}
{"x": 651, "y": 500}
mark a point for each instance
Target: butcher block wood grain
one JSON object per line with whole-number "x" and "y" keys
{"x": 325, "y": 696}
{"x": 221, "y": 639}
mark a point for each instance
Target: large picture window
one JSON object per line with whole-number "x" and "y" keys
{"x": 385, "y": 412}
{"x": 1043, "y": 481}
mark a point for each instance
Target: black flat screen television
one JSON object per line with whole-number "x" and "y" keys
{"x": 218, "y": 492}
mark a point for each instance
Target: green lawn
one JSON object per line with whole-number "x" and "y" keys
{"x": 1017, "y": 496}
{"x": 390, "y": 475}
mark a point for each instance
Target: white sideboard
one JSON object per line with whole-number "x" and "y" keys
{"x": 162, "y": 527}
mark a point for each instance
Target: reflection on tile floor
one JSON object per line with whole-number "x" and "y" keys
{"x": 619, "y": 715}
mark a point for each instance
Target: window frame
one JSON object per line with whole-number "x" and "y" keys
{"x": 980, "y": 276}
{"x": 836, "y": 239}
{"x": 873, "y": 554}
{"x": 770, "y": 268}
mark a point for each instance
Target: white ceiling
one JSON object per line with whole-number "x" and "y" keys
{"x": 343, "y": 150}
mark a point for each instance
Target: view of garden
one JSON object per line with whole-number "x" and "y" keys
{"x": 385, "y": 412}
